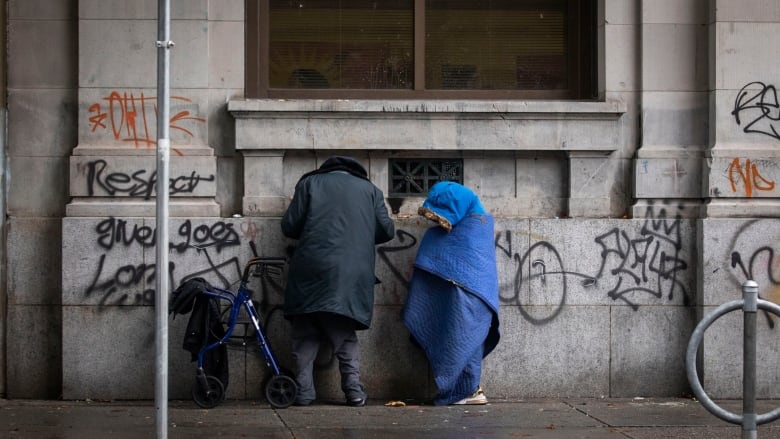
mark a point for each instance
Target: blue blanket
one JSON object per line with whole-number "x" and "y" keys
{"x": 452, "y": 307}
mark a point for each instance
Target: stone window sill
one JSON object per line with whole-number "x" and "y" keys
{"x": 427, "y": 124}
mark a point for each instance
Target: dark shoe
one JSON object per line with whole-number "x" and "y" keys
{"x": 356, "y": 402}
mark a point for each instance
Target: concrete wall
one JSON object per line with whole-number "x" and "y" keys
{"x": 605, "y": 313}
{"x": 619, "y": 221}
{"x": 674, "y": 103}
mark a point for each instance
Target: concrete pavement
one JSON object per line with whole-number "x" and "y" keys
{"x": 638, "y": 418}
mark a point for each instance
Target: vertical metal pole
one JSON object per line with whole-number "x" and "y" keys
{"x": 750, "y": 296}
{"x": 164, "y": 45}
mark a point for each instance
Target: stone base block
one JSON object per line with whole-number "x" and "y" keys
{"x": 265, "y": 206}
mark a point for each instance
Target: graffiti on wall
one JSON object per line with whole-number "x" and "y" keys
{"x": 757, "y": 106}
{"x": 650, "y": 262}
{"x": 755, "y": 255}
{"x": 132, "y": 282}
{"x": 138, "y": 183}
{"x": 747, "y": 176}
{"x": 133, "y": 119}
{"x": 403, "y": 243}
{"x": 645, "y": 261}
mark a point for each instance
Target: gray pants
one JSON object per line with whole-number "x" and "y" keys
{"x": 308, "y": 333}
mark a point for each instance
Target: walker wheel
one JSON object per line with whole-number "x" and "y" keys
{"x": 211, "y": 397}
{"x": 280, "y": 391}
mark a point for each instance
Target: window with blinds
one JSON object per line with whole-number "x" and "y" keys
{"x": 495, "y": 45}
{"x": 342, "y": 44}
{"x": 421, "y": 48}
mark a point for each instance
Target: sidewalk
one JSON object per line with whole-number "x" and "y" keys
{"x": 534, "y": 418}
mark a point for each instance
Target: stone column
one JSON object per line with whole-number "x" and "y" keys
{"x": 108, "y": 234}
{"x": 674, "y": 101}
{"x": 738, "y": 234}
{"x": 113, "y": 168}
{"x": 742, "y": 170}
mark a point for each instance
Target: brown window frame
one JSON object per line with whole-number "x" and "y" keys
{"x": 581, "y": 59}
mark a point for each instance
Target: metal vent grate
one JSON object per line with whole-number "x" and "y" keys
{"x": 414, "y": 177}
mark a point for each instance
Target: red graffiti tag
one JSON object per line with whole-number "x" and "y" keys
{"x": 749, "y": 176}
{"x": 128, "y": 117}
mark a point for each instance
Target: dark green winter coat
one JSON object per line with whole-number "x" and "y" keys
{"x": 337, "y": 218}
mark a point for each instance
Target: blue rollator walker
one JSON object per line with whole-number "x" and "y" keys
{"x": 207, "y": 390}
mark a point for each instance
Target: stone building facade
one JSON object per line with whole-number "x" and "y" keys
{"x": 621, "y": 219}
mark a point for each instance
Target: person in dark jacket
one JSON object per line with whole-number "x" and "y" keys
{"x": 338, "y": 216}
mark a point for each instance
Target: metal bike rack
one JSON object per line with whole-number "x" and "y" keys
{"x": 750, "y": 304}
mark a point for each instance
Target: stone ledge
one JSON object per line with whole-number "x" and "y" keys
{"x": 264, "y": 124}
{"x": 252, "y": 108}
{"x": 176, "y": 150}
{"x": 732, "y": 150}
{"x": 742, "y": 208}
{"x": 91, "y": 207}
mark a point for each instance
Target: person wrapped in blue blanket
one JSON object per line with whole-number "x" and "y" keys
{"x": 452, "y": 307}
